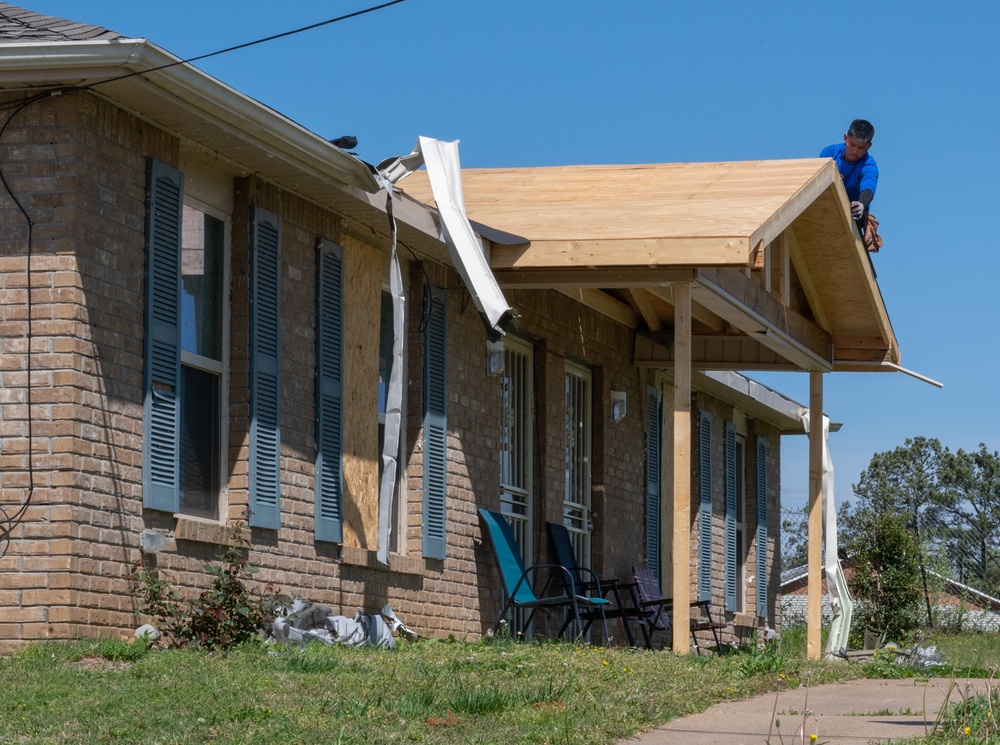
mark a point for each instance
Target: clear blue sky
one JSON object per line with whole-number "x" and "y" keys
{"x": 555, "y": 82}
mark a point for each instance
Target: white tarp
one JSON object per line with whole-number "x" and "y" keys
{"x": 445, "y": 174}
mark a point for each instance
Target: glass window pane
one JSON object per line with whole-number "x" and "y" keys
{"x": 201, "y": 283}
{"x": 200, "y": 465}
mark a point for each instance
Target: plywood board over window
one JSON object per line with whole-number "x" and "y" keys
{"x": 362, "y": 302}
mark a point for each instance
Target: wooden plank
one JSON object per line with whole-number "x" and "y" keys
{"x": 805, "y": 279}
{"x": 586, "y": 277}
{"x": 781, "y": 269}
{"x": 640, "y": 252}
{"x": 744, "y": 304}
{"x": 702, "y": 315}
{"x": 606, "y": 305}
{"x": 681, "y": 524}
{"x": 363, "y": 295}
{"x": 644, "y": 303}
{"x": 815, "y": 520}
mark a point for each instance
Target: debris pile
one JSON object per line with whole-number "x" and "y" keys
{"x": 305, "y": 621}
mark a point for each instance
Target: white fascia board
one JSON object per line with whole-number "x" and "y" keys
{"x": 98, "y": 63}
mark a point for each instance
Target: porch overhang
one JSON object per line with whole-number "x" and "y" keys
{"x": 780, "y": 278}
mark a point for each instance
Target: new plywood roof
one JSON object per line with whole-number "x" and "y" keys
{"x": 618, "y": 230}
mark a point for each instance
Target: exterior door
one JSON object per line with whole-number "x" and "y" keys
{"x": 577, "y": 516}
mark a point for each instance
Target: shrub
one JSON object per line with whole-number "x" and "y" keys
{"x": 886, "y": 581}
{"x": 224, "y": 615}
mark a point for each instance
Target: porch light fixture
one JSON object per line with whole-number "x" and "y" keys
{"x": 494, "y": 358}
{"x": 617, "y": 405}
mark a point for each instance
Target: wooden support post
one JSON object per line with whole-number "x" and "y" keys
{"x": 682, "y": 468}
{"x": 815, "y": 577}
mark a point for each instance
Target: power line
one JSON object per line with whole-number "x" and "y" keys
{"x": 282, "y": 35}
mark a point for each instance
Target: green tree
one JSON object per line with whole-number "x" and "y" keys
{"x": 973, "y": 516}
{"x": 886, "y": 583}
{"x": 907, "y": 482}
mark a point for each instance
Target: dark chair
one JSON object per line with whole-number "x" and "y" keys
{"x": 654, "y": 610}
{"x": 517, "y": 582}
{"x": 585, "y": 581}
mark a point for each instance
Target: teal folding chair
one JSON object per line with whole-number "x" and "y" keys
{"x": 517, "y": 583}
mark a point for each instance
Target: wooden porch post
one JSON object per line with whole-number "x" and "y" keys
{"x": 682, "y": 467}
{"x": 815, "y": 579}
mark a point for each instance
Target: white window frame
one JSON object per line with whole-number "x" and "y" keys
{"x": 517, "y": 494}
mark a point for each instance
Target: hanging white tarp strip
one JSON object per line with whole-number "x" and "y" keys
{"x": 445, "y": 174}
{"x": 836, "y": 582}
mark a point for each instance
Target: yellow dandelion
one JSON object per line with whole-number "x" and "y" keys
{"x": 604, "y": 662}
{"x": 813, "y": 737}
{"x": 968, "y": 730}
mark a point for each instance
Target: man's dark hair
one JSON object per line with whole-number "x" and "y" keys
{"x": 861, "y": 129}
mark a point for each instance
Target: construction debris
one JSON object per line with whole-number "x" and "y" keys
{"x": 305, "y": 621}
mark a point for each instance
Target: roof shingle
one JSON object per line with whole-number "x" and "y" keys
{"x": 22, "y": 25}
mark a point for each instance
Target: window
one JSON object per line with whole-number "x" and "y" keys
{"x": 516, "y": 431}
{"x": 202, "y": 317}
{"x": 577, "y": 496}
{"x": 185, "y": 355}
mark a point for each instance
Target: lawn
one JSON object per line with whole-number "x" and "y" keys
{"x": 421, "y": 692}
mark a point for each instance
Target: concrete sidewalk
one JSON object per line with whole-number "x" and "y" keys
{"x": 854, "y": 713}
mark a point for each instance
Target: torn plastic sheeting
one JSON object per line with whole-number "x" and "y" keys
{"x": 445, "y": 174}
{"x": 305, "y": 622}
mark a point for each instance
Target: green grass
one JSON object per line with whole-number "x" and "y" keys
{"x": 422, "y": 692}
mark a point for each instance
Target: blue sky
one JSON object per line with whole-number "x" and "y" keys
{"x": 556, "y": 82}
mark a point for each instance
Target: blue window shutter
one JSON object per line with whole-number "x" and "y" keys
{"x": 654, "y": 444}
{"x": 329, "y": 392}
{"x": 704, "y": 507}
{"x": 162, "y": 374}
{"x": 435, "y": 425}
{"x": 730, "y": 548}
{"x": 761, "y": 583}
{"x": 265, "y": 390}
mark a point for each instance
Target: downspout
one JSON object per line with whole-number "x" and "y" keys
{"x": 836, "y": 582}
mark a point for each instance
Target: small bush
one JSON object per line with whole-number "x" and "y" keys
{"x": 224, "y": 615}
{"x": 124, "y": 650}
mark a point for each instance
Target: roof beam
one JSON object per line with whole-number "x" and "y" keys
{"x": 643, "y": 252}
{"x": 585, "y": 277}
{"x": 743, "y": 303}
{"x": 605, "y": 304}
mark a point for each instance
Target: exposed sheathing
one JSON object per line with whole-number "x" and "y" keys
{"x": 362, "y": 300}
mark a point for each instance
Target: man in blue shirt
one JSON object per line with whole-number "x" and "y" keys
{"x": 857, "y": 167}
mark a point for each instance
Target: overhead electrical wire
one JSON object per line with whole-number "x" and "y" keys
{"x": 10, "y": 520}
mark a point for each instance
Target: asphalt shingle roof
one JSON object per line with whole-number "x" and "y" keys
{"x": 22, "y": 25}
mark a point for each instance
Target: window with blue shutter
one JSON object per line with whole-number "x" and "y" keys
{"x": 731, "y": 543}
{"x": 653, "y": 449}
{"x": 761, "y": 583}
{"x": 329, "y": 392}
{"x": 161, "y": 399}
{"x": 265, "y": 391}
{"x": 705, "y": 507}
{"x": 435, "y": 425}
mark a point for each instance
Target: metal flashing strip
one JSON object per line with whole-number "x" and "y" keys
{"x": 889, "y": 367}
{"x": 465, "y": 247}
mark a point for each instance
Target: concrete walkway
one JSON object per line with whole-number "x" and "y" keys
{"x": 856, "y": 713}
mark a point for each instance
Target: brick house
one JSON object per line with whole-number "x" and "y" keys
{"x": 197, "y": 328}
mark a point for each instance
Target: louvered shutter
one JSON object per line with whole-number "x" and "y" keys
{"x": 435, "y": 425}
{"x": 761, "y": 582}
{"x": 265, "y": 391}
{"x": 730, "y": 548}
{"x": 705, "y": 507}
{"x": 161, "y": 378}
{"x": 653, "y": 507}
{"x": 329, "y": 392}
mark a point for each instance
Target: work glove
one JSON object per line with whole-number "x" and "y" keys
{"x": 857, "y": 210}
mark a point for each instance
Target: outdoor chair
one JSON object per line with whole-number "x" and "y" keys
{"x": 585, "y": 581}
{"x": 654, "y": 610}
{"x": 518, "y": 582}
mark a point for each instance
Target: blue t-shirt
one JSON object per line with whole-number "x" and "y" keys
{"x": 857, "y": 176}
